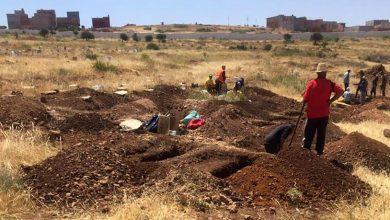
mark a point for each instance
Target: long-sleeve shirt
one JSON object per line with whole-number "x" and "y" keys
{"x": 346, "y": 78}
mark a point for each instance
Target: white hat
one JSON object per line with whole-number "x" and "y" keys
{"x": 321, "y": 67}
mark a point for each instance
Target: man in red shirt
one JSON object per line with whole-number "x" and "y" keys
{"x": 317, "y": 97}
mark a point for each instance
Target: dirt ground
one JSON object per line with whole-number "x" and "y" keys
{"x": 225, "y": 159}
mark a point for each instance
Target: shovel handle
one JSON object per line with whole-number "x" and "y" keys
{"x": 296, "y": 125}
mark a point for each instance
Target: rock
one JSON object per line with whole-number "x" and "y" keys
{"x": 232, "y": 209}
{"x": 50, "y": 92}
{"x": 247, "y": 217}
{"x": 121, "y": 92}
{"x": 98, "y": 88}
{"x": 73, "y": 86}
{"x": 386, "y": 133}
{"x": 86, "y": 98}
{"x": 130, "y": 124}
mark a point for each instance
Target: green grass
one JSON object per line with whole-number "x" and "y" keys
{"x": 290, "y": 80}
{"x": 105, "y": 67}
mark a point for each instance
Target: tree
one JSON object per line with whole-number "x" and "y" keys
{"x": 287, "y": 38}
{"x": 44, "y": 33}
{"x": 149, "y": 38}
{"x": 161, "y": 37}
{"x": 152, "y": 46}
{"x": 75, "y": 32}
{"x": 316, "y": 37}
{"x": 135, "y": 37}
{"x": 124, "y": 37}
{"x": 86, "y": 35}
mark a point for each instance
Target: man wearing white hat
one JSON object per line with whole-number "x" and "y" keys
{"x": 317, "y": 96}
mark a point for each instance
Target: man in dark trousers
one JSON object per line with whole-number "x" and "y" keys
{"x": 220, "y": 78}
{"x": 384, "y": 83}
{"x": 274, "y": 141}
{"x": 374, "y": 85}
{"x": 317, "y": 96}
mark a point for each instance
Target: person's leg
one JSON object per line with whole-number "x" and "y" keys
{"x": 310, "y": 131}
{"x": 321, "y": 135}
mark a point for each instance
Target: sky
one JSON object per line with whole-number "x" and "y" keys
{"x": 236, "y": 12}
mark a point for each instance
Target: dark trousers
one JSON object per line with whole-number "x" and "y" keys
{"x": 218, "y": 86}
{"x": 373, "y": 91}
{"x": 313, "y": 126}
{"x": 346, "y": 85}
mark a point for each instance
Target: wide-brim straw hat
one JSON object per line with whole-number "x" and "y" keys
{"x": 322, "y": 67}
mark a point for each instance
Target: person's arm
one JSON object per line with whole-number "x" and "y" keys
{"x": 338, "y": 93}
{"x": 307, "y": 92}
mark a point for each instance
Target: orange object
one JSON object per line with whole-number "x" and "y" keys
{"x": 220, "y": 75}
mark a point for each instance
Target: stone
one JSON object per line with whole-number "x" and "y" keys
{"x": 386, "y": 133}
{"x": 130, "y": 124}
{"x": 121, "y": 93}
{"x": 50, "y": 92}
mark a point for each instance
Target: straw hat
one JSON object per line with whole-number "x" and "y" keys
{"x": 321, "y": 68}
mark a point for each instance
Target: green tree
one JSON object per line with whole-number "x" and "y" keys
{"x": 316, "y": 37}
{"x": 135, "y": 37}
{"x": 75, "y": 32}
{"x": 287, "y": 38}
{"x": 124, "y": 37}
{"x": 86, "y": 35}
{"x": 161, "y": 37}
{"x": 149, "y": 38}
{"x": 44, "y": 33}
{"x": 152, "y": 46}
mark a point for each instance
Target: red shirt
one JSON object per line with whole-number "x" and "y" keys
{"x": 317, "y": 96}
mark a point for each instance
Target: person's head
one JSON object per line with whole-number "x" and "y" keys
{"x": 349, "y": 71}
{"x": 210, "y": 76}
{"x": 348, "y": 89}
{"x": 361, "y": 73}
{"x": 224, "y": 67}
{"x": 321, "y": 70}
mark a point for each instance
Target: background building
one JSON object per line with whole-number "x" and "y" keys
{"x": 44, "y": 19}
{"x": 18, "y": 20}
{"x": 292, "y": 23}
{"x": 72, "y": 21}
{"x": 103, "y": 22}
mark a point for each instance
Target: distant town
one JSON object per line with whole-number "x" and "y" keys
{"x": 47, "y": 19}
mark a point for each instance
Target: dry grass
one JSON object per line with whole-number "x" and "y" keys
{"x": 370, "y": 129}
{"x": 18, "y": 148}
{"x": 376, "y": 207}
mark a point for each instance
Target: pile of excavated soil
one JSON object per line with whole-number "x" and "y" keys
{"x": 357, "y": 113}
{"x": 165, "y": 97}
{"x": 73, "y": 99}
{"x": 90, "y": 122}
{"x": 21, "y": 111}
{"x": 297, "y": 177}
{"x": 359, "y": 149}
{"x": 141, "y": 109}
{"x": 100, "y": 168}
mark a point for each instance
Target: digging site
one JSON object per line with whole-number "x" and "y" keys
{"x": 221, "y": 164}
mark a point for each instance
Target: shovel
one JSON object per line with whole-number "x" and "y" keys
{"x": 296, "y": 125}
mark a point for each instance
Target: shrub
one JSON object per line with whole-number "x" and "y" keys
{"x": 203, "y": 29}
{"x": 287, "y": 38}
{"x": 44, "y": 32}
{"x": 376, "y": 57}
{"x": 239, "y": 47}
{"x": 75, "y": 32}
{"x": 267, "y": 47}
{"x": 124, "y": 37}
{"x": 86, "y": 35}
{"x": 91, "y": 56}
{"x": 135, "y": 37}
{"x": 316, "y": 37}
{"x": 161, "y": 37}
{"x": 104, "y": 66}
{"x": 149, "y": 38}
{"x": 152, "y": 46}
{"x": 148, "y": 28}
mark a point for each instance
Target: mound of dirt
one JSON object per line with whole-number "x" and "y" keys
{"x": 296, "y": 177}
{"x": 165, "y": 97}
{"x": 74, "y": 99}
{"x": 101, "y": 168}
{"x": 91, "y": 122}
{"x": 359, "y": 149}
{"x": 21, "y": 111}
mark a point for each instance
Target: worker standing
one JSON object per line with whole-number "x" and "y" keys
{"x": 384, "y": 83}
{"x": 362, "y": 87}
{"x": 317, "y": 96}
{"x": 220, "y": 79}
{"x": 361, "y": 74}
{"x": 346, "y": 79}
{"x": 374, "y": 85}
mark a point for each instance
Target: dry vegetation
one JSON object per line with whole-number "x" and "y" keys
{"x": 33, "y": 65}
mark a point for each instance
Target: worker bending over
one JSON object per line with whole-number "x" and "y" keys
{"x": 210, "y": 86}
{"x": 317, "y": 96}
{"x": 274, "y": 141}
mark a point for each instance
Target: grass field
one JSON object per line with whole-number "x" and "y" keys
{"x": 32, "y": 65}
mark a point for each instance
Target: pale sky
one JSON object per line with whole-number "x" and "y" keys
{"x": 353, "y": 12}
